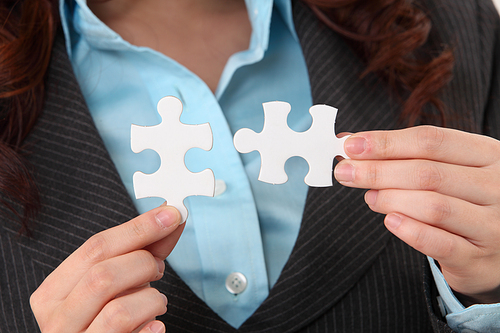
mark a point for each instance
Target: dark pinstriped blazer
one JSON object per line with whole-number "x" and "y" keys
{"x": 346, "y": 272}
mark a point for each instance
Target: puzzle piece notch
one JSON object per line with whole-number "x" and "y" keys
{"x": 171, "y": 139}
{"x": 276, "y": 143}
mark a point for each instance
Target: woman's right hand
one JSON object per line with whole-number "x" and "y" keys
{"x": 104, "y": 285}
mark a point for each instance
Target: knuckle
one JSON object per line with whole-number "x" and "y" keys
{"x": 95, "y": 249}
{"x": 116, "y": 316}
{"x": 388, "y": 202}
{"x": 421, "y": 240}
{"x": 149, "y": 264}
{"x": 385, "y": 145}
{"x": 430, "y": 138}
{"x": 137, "y": 229}
{"x": 47, "y": 321}
{"x": 495, "y": 147}
{"x": 100, "y": 280}
{"x": 372, "y": 174}
{"x": 438, "y": 211}
{"x": 489, "y": 183}
{"x": 41, "y": 300}
{"x": 429, "y": 177}
{"x": 446, "y": 249}
{"x": 37, "y": 301}
{"x": 160, "y": 301}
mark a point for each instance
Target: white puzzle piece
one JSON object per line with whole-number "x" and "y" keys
{"x": 171, "y": 139}
{"x": 276, "y": 143}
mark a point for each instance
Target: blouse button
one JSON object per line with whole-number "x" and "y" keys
{"x": 236, "y": 283}
{"x": 220, "y": 187}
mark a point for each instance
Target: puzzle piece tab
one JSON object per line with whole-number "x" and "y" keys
{"x": 276, "y": 143}
{"x": 171, "y": 139}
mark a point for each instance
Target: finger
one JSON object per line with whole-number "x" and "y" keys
{"x": 456, "y": 216}
{"x": 162, "y": 248}
{"x": 462, "y": 263}
{"x": 446, "y": 247}
{"x": 127, "y": 313}
{"x": 475, "y": 185}
{"x": 135, "y": 234}
{"x": 104, "y": 281}
{"x": 153, "y": 327}
{"x": 424, "y": 142}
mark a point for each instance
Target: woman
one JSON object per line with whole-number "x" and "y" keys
{"x": 336, "y": 268}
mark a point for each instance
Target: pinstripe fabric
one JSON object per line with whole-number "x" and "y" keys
{"x": 81, "y": 195}
{"x": 345, "y": 274}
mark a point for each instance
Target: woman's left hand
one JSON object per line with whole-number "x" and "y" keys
{"x": 440, "y": 189}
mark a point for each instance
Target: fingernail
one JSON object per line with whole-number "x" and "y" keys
{"x": 344, "y": 173}
{"x": 167, "y": 217}
{"x": 161, "y": 265}
{"x": 393, "y": 221}
{"x": 371, "y": 197}
{"x": 355, "y": 145}
{"x": 157, "y": 327}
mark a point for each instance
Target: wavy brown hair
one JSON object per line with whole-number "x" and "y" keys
{"x": 386, "y": 34}
{"x": 27, "y": 30}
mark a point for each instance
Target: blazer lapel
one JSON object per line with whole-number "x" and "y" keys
{"x": 80, "y": 186}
